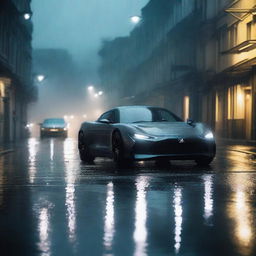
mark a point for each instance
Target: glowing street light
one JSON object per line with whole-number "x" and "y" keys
{"x": 100, "y": 93}
{"x": 40, "y": 78}
{"x": 90, "y": 88}
{"x": 135, "y": 19}
{"x": 96, "y": 95}
{"x": 27, "y": 16}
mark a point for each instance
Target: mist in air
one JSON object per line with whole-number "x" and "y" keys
{"x": 67, "y": 38}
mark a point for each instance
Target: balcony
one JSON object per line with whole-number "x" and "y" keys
{"x": 245, "y": 46}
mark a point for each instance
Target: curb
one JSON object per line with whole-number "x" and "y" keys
{"x": 6, "y": 151}
{"x": 243, "y": 151}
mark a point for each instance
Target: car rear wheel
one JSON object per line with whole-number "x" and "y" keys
{"x": 204, "y": 161}
{"x": 84, "y": 151}
{"x": 118, "y": 150}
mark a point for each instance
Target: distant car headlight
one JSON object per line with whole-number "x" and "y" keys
{"x": 142, "y": 137}
{"x": 209, "y": 136}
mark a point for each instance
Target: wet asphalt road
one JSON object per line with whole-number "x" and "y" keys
{"x": 52, "y": 204}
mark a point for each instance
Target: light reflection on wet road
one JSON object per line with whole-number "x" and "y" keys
{"x": 52, "y": 204}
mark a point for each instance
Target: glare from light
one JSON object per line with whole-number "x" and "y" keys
{"x": 72, "y": 117}
{"x": 40, "y": 78}
{"x": 65, "y": 117}
{"x": 27, "y": 16}
{"x": 96, "y": 95}
{"x": 84, "y": 116}
{"x": 135, "y": 19}
{"x": 90, "y": 88}
{"x": 141, "y": 136}
{"x": 100, "y": 93}
{"x": 209, "y": 135}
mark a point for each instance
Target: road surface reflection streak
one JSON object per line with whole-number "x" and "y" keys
{"x": 243, "y": 219}
{"x": 208, "y": 196}
{"x": 44, "y": 220}
{"x": 140, "y": 232}
{"x": 109, "y": 225}
{"x": 32, "y": 153}
{"x": 177, "y": 200}
{"x": 69, "y": 151}
{"x": 51, "y": 149}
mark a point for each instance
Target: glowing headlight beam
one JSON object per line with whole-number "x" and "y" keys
{"x": 141, "y": 136}
{"x": 209, "y": 135}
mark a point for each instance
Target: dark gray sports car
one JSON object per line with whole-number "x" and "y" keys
{"x": 145, "y": 133}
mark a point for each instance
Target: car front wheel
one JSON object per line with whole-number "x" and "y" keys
{"x": 84, "y": 151}
{"x": 118, "y": 150}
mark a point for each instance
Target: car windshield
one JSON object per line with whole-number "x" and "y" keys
{"x": 54, "y": 121}
{"x": 146, "y": 114}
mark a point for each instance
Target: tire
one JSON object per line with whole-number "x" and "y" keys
{"x": 84, "y": 152}
{"x": 118, "y": 150}
{"x": 204, "y": 161}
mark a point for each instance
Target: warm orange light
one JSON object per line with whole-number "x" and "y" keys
{"x": 186, "y": 108}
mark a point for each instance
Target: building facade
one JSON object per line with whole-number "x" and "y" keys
{"x": 195, "y": 57}
{"x": 16, "y": 87}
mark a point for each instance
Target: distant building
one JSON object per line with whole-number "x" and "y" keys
{"x": 16, "y": 87}
{"x": 195, "y": 57}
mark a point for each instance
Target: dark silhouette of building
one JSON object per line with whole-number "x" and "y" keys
{"x": 16, "y": 85}
{"x": 195, "y": 57}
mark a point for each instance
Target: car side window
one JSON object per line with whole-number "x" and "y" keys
{"x": 109, "y": 116}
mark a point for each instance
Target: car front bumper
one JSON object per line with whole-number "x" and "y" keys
{"x": 173, "y": 148}
{"x": 54, "y": 132}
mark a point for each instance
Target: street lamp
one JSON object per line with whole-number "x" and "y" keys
{"x": 135, "y": 19}
{"x": 40, "y": 78}
{"x": 100, "y": 93}
{"x": 90, "y": 88}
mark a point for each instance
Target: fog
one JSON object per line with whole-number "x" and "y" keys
{"x": 66, "y": 40}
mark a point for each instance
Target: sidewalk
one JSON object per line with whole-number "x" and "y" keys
{"x": 6, "y": 148}
{"x": 243, "y": 146}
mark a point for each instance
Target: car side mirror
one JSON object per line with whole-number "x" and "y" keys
{"x": 104, "y": 121}
{"x": 190, "y": 122}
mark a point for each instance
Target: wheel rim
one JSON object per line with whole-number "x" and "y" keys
{"x": 116, "y": 149}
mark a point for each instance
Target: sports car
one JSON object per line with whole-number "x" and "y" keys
{"x": 130, "y": 133}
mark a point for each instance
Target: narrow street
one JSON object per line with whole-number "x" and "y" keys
{"x": 52, "y": 204}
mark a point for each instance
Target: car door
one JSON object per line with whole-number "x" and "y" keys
{"x": 104, "y": 131}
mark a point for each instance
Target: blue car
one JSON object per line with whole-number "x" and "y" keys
{"x": 54, "y": 127}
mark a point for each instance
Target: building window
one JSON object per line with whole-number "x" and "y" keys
{"x": 186, "y": 108}
{"x": 249, "y": 31}
{"x": 232, "y": 36}
{"x": 236, "y": 102}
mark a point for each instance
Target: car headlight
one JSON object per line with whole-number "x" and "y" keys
{"x": 142, "y": 136}
{"x": 209, "y": 136}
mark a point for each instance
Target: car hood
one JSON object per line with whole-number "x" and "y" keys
{"x": 54, "y": 125}
{"x": 168, "y": 129}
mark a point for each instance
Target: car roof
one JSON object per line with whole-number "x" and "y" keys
{"x": 136, "y": 106}
{"x": 54, "y": 120}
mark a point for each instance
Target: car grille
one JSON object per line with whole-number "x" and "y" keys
{"x": 172, "y": 146}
